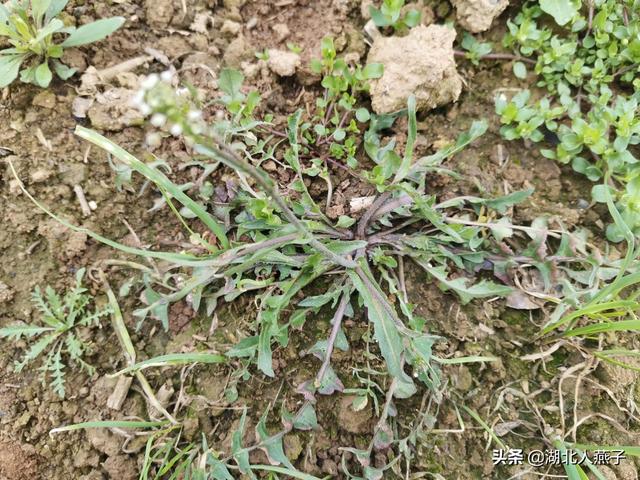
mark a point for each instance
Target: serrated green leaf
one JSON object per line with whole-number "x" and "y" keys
{"x": 501, "y": 204}
{"x": 383, "y": 318}
{"x": 306, "y": 418}
{"x": 272, "y": 445}
{"x": 466, "y": 292}
{"x": 17, "y": 331}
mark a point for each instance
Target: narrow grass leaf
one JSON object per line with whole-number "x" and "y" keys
{"x": 627, "y": 449}
{"x": 486, "y": 427}
{"x": 591, "y": 311}
{"x": 158, "y": 178}
{"x": 610, "y": 356}
{"x": 405, "y": 166}
{"x": 173, "y": 359}
{"x": 623, "y": 326}
{"x": 108, "y": 424}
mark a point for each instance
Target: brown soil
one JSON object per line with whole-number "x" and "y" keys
{"x": 37, "y": 131}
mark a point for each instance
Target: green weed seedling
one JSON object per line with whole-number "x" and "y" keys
{"x": 35, "y": 33}
{"x": 275, "y": 241}
{"x": 276, "y": 245}
{"x": 587, "y": 65}
{"x": 390, "y": 15}
{"x": 59, "y": 337}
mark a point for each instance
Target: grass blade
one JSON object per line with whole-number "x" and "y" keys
{"x": 486, "y": 427}
{"x": 108, "y": 424}
{"x": 623, "y": 326}
{"x": 173, "y": 359}
{"x": 411, "y": 139}
{"x": 158, "y": 178}
{"x": 592, "y": 311}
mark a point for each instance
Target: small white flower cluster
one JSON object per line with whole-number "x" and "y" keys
{"x": 167, "y": 106}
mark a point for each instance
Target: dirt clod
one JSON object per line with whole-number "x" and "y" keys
{"x": 113, "y": 110}
{"x": 120, "y": 467}
{"x": 6, "y": 293}
{"x": 426, "y": 69}
{"x": 477, "y": 15}
{"x": 350, "y": 420}
{"x": 283, "y": 63}
{"x": 104, "y": 441}
{"x": 17, "y": 463}
{"x": 281, "y": 30}
{"x": 293, "y": 446}
{"x": 159, "y": 13}
{"x": 45, "y": 99}
{"x": 238, "y": 51}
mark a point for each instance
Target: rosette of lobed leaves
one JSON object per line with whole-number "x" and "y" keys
{"x": 276, "y": 245}
{"x": 59, "y": 337}
{"x": 36, "y": 36}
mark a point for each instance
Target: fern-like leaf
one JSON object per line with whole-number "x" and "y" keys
{"x": 56, "y": 368}
{"x": 55, "y": 302}
{"x": 58, "y": 340}
{"x": 94, "y": 317}
{"x": 75, "y": 306}
{"x": 75, "y": 347}
{"x": 48, "y": 316}
{"x": 15, "y": 332}
{"x": 35, "y": 351}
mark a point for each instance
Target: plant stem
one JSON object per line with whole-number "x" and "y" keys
{"x": 498, "y": 56}
{"x": 228, "y": 156}
{"x": 368, "y": 215}
{"x": 336, "y": 322}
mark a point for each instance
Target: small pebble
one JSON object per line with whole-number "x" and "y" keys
{"x": 252, "y": 23}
